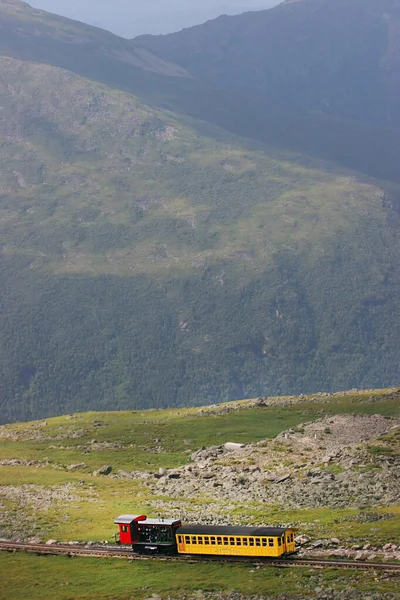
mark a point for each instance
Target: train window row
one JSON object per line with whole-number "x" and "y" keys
{"x": 211, "y": 540}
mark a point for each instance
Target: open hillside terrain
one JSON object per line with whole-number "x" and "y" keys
{"x": 147, "y": 264}
{"x": 370, "y": 145}
{"x": 326, "y": 464}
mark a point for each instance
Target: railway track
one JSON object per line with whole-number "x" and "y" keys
{"x": 66, "y": 549}
{"x": 118, "y": 552}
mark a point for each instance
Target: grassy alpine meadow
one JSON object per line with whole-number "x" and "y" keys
{"x": 49, "y": 489}
{"x": 82, "y": 578}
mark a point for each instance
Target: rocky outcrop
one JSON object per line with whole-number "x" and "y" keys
{"x": 76, "y": 467}
{"x": 105, "y": 470}
{"x": 323, "y": 463}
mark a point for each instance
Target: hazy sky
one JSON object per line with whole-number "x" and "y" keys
{"x": 134, "y": 17}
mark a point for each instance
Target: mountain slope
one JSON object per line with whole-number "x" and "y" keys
{"x": 318, "y": 76}
{"x": 144, "y": 264}
{"x": 36, "y": 35}
{"x": 33, "y": 34}
{"x": 339, "y": 57}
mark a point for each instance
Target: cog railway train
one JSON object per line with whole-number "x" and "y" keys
{"x": 169, "y": 536}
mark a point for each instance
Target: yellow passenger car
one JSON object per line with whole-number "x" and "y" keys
{"x": 227, "y": 540}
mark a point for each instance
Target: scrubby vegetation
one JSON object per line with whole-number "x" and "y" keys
{"x": 146, "y": 265}
{"x": 152, "y": 260}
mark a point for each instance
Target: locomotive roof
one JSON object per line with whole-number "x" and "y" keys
{"x": 126, "y": 519}
{"x": 232, "y": 530}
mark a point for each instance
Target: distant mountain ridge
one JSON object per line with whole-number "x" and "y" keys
{"x": 135, "y": 17}
{"x": 339, "y": 57}
{"x": 31, "y": 34}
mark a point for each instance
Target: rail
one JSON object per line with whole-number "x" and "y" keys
{"x": 118, "y": 552}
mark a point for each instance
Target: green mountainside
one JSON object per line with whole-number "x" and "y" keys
{"x": 149, "y": 259}
{"x": 147, "y": 265}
